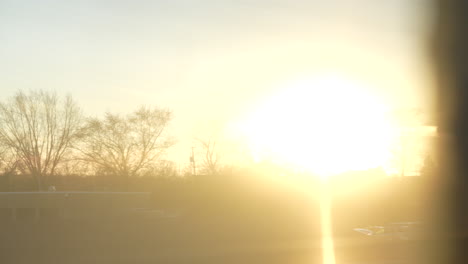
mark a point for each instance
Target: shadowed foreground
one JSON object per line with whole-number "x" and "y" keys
{"x": 142, "y": 238}
{"x": 237, "y": 222}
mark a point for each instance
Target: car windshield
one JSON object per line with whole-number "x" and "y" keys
{"x": 228, "y": 131}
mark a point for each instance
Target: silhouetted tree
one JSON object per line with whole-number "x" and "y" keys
{"x": 126, "y": 145}
{"x": 39, "y": 129}
{"x": 211, "y": 157}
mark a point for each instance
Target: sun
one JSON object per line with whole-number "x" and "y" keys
{"x": 325, "y": 125}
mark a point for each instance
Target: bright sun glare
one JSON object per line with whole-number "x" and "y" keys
{"x": 325, "y": 125}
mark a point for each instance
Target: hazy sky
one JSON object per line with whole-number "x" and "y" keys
{"x": 208, "y": 61}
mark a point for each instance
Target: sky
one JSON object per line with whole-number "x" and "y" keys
{"x": 210, "y": 62}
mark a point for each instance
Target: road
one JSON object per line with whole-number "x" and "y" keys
{"x": 180, "y": 240}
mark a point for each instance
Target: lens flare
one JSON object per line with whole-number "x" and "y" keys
{"x": 325, "y": 125}
{"x": 328, "y": 251}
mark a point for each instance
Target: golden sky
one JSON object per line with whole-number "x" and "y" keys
{"x": 211, "y": 62}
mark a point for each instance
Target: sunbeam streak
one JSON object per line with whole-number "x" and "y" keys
{"x": 328, "y": 252}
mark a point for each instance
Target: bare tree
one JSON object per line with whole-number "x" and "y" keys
{"x": 126, "y": 145}
{"x": 8, "y": 161}
{"x": 39, "y": 129}
{"x": 210, "y": 154}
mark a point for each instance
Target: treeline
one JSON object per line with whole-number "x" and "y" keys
{"x": 43, "y": 135}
